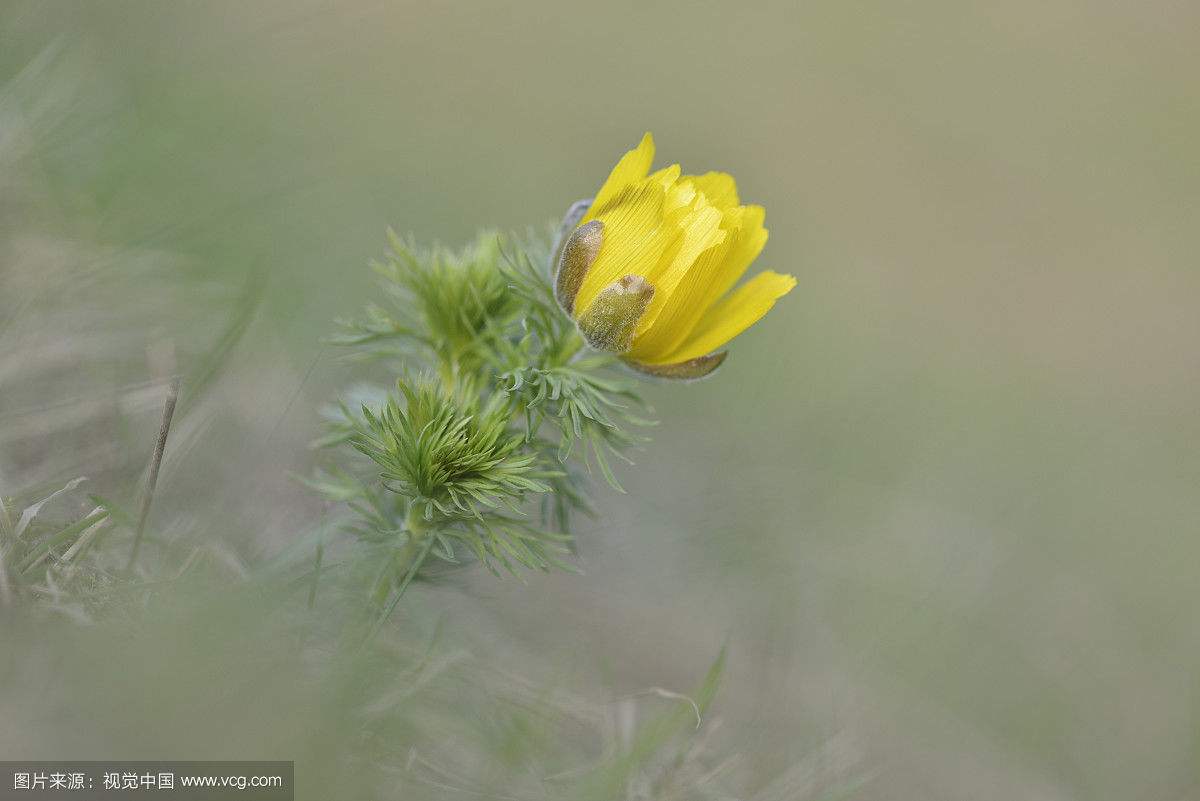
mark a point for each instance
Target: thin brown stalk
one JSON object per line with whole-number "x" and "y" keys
{"x": 156, "y": 462}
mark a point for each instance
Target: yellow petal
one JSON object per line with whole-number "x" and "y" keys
{"x": 700, "y": 227}
{"x": 666, "y": 176}
{"x": 732, "y": 315}
{"x": 704, "y": 282}
{"x": 747, "y": 245}
{"x": 679, "y": 313}
{"x": 636, "y": 234}
{"x": 718, "y": 187}
{"x": 631, "y": 169}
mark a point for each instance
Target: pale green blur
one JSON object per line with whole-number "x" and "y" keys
{"x": 941, "y": 504}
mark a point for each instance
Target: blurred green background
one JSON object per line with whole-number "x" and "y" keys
{"x": 941, "y": 504}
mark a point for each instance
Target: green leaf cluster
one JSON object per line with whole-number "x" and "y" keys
{"x": 486, "y": 455}
{"x": 446, "y": 454}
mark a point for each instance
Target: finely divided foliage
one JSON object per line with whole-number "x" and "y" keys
{"x": 461, "y": 459}
{"x": 449, "y": 457}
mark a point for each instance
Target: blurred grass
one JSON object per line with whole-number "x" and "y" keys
{"x": 940, "y": 504}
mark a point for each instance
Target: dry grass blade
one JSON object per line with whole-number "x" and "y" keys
{"x": 160, "y": 445}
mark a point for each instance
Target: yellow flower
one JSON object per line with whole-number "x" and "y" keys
{"x": 647, "y": 268}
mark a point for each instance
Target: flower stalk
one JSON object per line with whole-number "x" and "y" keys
{"x": 406, "y": 562}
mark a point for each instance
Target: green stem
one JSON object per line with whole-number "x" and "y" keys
{"x": 414, "y": 553}
{"x": 446, "y": 373}
{"x": 571, "y": 345}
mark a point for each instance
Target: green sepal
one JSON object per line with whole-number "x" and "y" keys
{"x": 578, "y": 252}
{"x": 610, "y": 322}
{"x": 570, "y": 221}
{"x": 689, "y": 370}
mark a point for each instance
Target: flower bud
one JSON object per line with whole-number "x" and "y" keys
{"x": 578, "y": 252}
{"x": 611, "y": 320}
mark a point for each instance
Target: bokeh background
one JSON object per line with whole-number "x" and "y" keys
{"x": 941, "y": 505}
